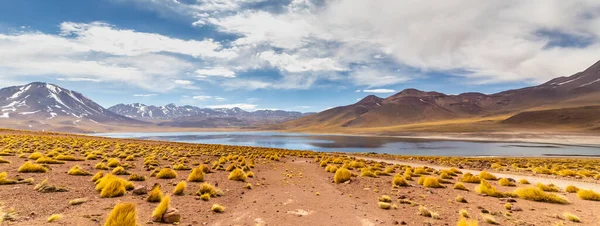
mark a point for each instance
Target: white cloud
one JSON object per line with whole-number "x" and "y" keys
{"x": 216, "y": 71}
{"x": 183, "y": 82}
{"x": 379, "y": 91}
{"x": 202, "y": 98}
{"x": 220, "y": 99}
{"x": 77, "y": 79}
{"x": 376, "y": 77}
{"x": 244, "y": 106}
{"x": 145, "y": 95}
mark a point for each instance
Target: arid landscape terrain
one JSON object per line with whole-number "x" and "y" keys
{"x": 61, "y": 179}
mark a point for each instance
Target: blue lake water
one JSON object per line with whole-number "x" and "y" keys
{"x": 343, "y": 143}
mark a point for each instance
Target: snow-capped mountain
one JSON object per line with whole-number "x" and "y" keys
{"x": 43, "y": 101}
{"x": 191, "y": 116}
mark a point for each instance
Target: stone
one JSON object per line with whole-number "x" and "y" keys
{"x": 140, "y": 190}
{"x": 172, "y": 215}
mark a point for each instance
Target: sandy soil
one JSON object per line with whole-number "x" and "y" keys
{"x": 287, "y": 195}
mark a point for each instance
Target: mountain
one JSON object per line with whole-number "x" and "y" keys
{"x": 42, "y": 102}
{"x": 587, "y": 117}
{"x": 191, "y": 116}
{"x": 413, "y": 106}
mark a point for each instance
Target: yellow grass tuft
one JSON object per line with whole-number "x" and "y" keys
{"x": 112, "y": 163}
{"x": 486, "y": 188}
{"x": 461, "y": 199}
{"x": 135, "y": 177}
{"x": 155, "y": 194}
{"x": 248, "y": 186}
{"x": 489, "y": 219}
{"x": 384, "y": 205}
{"x": 588, "y": 195}
{"x": 237, "y": 175}
{"x": 464, "y": 213}
{"x": 166, "y": 173}
{"x": 218, "y": 208}
{"x": 487, "y": 176}
{"x": 460, "y": 186}
{"x": 123, "y": 214}
{"x": 470, "y": 178}
{"x": 30, "y": 167}
{"x": 571, "y": 189}
{"x": 54, "y": 217}
{"x": 97, "y": 176}
{"x": 342, "y": 175}
{"x": 423, "y": 211}
{"x": 432, "y": 182}
{"x": 399, "y": 180}
{"x": 250, "y": 174}
{"x": 467, "y": 222}
{"x": 35, "y": 156}
{"x": 570, "y": 217}
{"x": 523, "y": 181}
{"x": 180, "y": 188}
{"x": 47, "y": 160}
{"x": 78, "y": 171}
{"x": 157, "y": 214}
{"x": 78, "y": 201}
{"x": 113, "y": 188}
{"x": 505, "y": 182}
{"x": 205, "y": 197}
{"x": 101, "y": 166}
{"x": 197, "y": 175}
{"x": 367, "y": 173}
{"x": 207, "y": 188}
{"x": 549, "y": 187}
{"x": 538, "y": 195}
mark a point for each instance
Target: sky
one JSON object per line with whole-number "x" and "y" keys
{"x": 300, "y": 55}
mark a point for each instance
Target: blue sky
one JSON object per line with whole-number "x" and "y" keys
{"x": 302, "y": 55}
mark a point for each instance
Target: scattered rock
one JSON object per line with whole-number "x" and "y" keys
{"x": 140, "y": 190}
{"x": 515, "y": 208}
{"x": 172, "y": 215}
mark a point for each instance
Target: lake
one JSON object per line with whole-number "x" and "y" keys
{"x": 347, "y": 143}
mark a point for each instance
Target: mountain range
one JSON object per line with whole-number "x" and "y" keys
{"x": 412, "y": 106}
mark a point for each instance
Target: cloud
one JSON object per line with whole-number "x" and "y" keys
{"x": 244, "y": 106}
{"x": 220, "y": 99}
{"x": 183, "y": 82}
{"x": 303, "y": 107}
{"x": 145, "y": 95}
{"x": 77, "y": 79}
{"x": 377, "y": 77}
{"x": 216, "y": 72}
{"x": 379, "y": 91}
{"x": 202, "y": 98}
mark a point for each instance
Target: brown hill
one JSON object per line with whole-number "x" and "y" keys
{"x": 587, "y": 117}
{"x": 414, "y": 106}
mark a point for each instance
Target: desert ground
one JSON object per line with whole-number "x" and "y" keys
{"x": 264, "y": 186}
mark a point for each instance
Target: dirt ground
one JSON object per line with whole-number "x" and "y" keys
{"x": 294, "y": 191}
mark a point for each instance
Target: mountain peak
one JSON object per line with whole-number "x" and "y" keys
{"x": 370, "y": 99}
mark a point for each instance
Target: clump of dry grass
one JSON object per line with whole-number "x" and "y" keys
{"x": 207, "y": 188}
{"x": 113, "y": 162}
{"x": 166, "y": 173}
{"x": 248, "y": 186}
{"x": 588, "y": 195}
{"x": 35, "y": 155}
{"x": 97, "y": 176}
{"x": 250, "y": 174}
{"x": 197, "y": 175}
{"x": 30, "y": 167}
{"x": 78, "y": 171}
{"x": 157, "y": 214}
{"x": 486, "y": 188}
{"x": 423, "y": 211}
{"x": 506, "y": 182}
{"x": 385, "y": 198}
{"x": 549, "y": 187}
{"x": 464, "y": 213}
{"x": 399, "y": 180}
{"x": 538, "y": 195}
{"x": 470, "y": 178}
{"x": 78, "y": 201}
{"x": 155, "y": 194}
{"x": 180, "y": 188}
{"x": 487, "y": 176}
{"x": 570, "y": 217}
{"x": 467, "y": 222}
{"x": 48, "y": 160}
{"x": 460, "y": 186}
{"x": 123, "y": 214}
{"x": 44, "y": 187}
{"x": 489, "y": 219}
{"x": 342, "y": 175}
{"x": 111, "y": 186}
{"x": 101, "y": 166}
{"x": 120, "y": 170}
{"x": 384, "y": 205}
{"x": 366, "y": 172}
{"x": 205, "y": 197}
{"x": 571, "y": 189}
{"x": 237, "y": 175}
{"x": 523, "y": 181}
{"x": 461, "y": 199}
{"x": 54, "y": 217}
{"x": 135, "y": 177}
{"x": 217, "y": 208}
{"x": 4, "y": 180}
{"x": 430, "y": 182}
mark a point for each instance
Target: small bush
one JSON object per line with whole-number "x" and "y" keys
{"x": 423, "y": 211}
{"x": 54, "y": 217}
{"x": 35, "y": 156}
{"x": 342, "y": 175}
{"x": 367, "y": 173}
{"x": 470, "y": 178}
{"x": 157, "y": 214}
{"x": 218, "y": 208}
{"x": 250, "y": 174}
{"x": 464, "y": 222}
{"x": 113, "y": 188}
{"x": 505, "y": 182}
{"x": 588, "y": 195}
{"x": 461, "y": 199}
{"x": 248, "y": 186}
{"x": 571, "y": 189}
{"x": 523, "y": 181}
{"x": 78, "y": 171}
{"x": 549, "y": 187}
{"x": 486, "y": 188}
{"x": 207, "y": 188}
{"x": 123, "y": 214}
{"x": 432, "y": 182}
{"x": 237, "y": 175}
{"x": 112, "y": 163}
{"x": 460, "y": 186}
{"x": 487, "y": 176}
{"x": 464, "y": 213}
{"x": 538, "y": 195}
{"x": 166, "y": 173}
{"x": 385, "y": 198}
{"x": 155, "y": 194}
{"x": 489, "y": 219}
{"x": 384, "y": 205}
{"x": 205, "y": 197}
{"x": 135, "y": 177}
{"x": 47, "y": 160}
{"x": 119, "y": 170}
{"x": 180, "y": 188}
{"x": 97, "y": 176}
{"x": 571, "y": 217}
{"x": 197, "y": 175}
{"x": 78, "y": 201}
{"x": 399, "y": 180}
{"x": 101, "y": 166}
{"x": 30, "y": 167}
